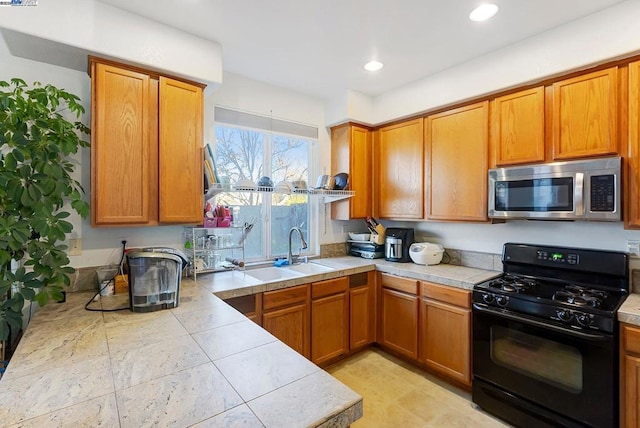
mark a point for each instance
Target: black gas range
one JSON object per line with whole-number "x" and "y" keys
{"x": 545, "y": 336}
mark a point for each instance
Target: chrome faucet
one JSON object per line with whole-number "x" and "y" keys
{"x": 293, "y": 258}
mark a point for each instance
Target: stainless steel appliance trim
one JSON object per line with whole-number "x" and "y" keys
{"x": 578, "y": 195}
{"x": 584, "y": 168}
{"x": 145, "y": 254}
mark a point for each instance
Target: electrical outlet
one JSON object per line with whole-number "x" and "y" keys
{"x": 75, "y": 246}
{"x": 344, "y": 228}
{"x": 633, "y": 248}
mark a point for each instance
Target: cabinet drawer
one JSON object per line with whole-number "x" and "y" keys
{"x": 285, "y": 297}
{"x": 329, "y": 287}
{"x": 443, "y": 293}
{"x": 400, "y": 284}
{"x": 631, "y": 339}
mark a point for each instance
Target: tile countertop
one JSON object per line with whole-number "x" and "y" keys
{"x": 629, "y": 312}
{"x": 201, "y": 364}
{"x": 237, "y": 283}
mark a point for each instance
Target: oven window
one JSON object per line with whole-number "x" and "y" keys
{"x": 551, "y": 362}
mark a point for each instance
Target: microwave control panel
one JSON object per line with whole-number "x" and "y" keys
{"x": 603, "y": 188}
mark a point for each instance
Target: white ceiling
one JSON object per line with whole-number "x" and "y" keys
{"x": 320, "y": 47}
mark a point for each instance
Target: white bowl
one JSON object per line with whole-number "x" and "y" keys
{"x": 245, "y": 184}
{"x": 284, "y": 187}
{"x": 359, "y": 236}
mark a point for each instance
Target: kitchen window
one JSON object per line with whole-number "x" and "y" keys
{"x": 249, "y": 147}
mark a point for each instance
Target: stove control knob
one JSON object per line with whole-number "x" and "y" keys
{"x": 564, "y": 315}
{"x": 502, "y": 300}
{"x": 583, "y": 319}
{"x": 488, "y": 297}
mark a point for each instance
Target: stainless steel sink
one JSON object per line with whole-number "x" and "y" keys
{"x": 272, "y": 274}
{"x": 309, "y": 268}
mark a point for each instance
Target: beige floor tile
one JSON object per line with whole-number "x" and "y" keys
{"x": 397, "y": 394}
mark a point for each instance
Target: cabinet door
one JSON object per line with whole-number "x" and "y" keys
{"x": 361, "y": 312}
{"x": 585, "y": 115}
{"x": 291, "y": 326}
{"x": 400, "y": 170}
{"x": 457, "y": 149}
{"x": 399, "y": 322}
{"x": 123, "y": 146}
{"x": 445, "y": 337}
{"x": 351, "y": 152}
{"x": 517, "y": 128}
{"x": 362, "y": 309}
{"x": 632, "y": 161}
{"x": 180, "y": 152}
{"x": 329, "y": 327}
{"x": 632, "y": 391}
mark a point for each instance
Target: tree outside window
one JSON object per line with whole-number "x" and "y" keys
{"x": 249, "y": 154}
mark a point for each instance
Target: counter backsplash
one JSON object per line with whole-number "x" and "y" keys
{"x": 85, "y": 279}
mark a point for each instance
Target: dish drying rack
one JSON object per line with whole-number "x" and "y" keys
{"x": 216, "y": 249}
{"x": 328, "y": 195}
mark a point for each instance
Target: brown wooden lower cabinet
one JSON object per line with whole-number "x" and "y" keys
{"x": 425, "y": 322}
{"x": 329, "y": 319}
{"x": 399, "y": 306}
{"x": 362, "y": 310}
{"x": 445, "y": 331}
{"x": 286, "y": 316}
{"x": 630, "y": 376}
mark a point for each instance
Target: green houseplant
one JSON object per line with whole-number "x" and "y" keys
{"x": 36, "y": 190}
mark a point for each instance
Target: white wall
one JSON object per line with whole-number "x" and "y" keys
{"x": 73, "y": 28}
{"x": 602, "y": 36}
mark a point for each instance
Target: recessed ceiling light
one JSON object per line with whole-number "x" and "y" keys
{"x": 483, "y": 12}
{"x": 373, "y": 66}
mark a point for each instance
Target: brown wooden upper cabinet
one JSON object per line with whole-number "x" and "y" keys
{"x": 585, "y": 115}
{"x": 399, "y": 170}
{"x": 351, "y": 152}
{"x": 457, "y": 144}
{"x": 517, "y": 128}
{"x": 146, "y": 147}
{"x": 632, "y": 161}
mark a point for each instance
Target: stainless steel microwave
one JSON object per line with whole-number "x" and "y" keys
{"x": 573, "y": 190}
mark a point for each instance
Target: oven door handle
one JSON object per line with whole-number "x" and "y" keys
{"x": 501, "y": 313}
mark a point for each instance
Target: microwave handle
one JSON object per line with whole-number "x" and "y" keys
{"x": 578, "y": 194}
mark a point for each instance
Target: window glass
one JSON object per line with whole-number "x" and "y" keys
{"x": 249, "y": 154}
{"x": 289, "y": 162}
